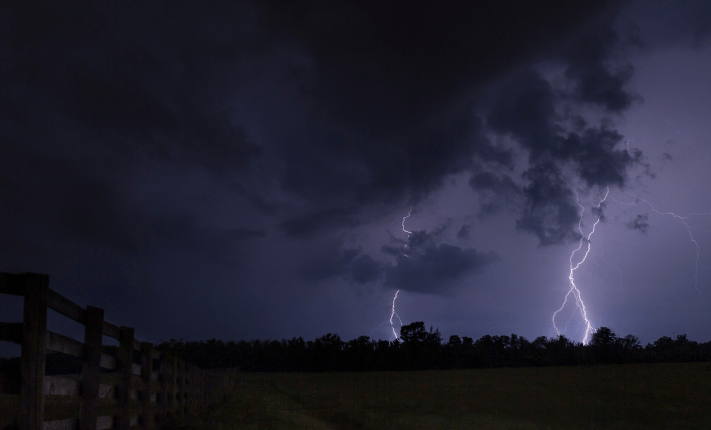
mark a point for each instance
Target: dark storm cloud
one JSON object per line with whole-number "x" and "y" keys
{"x": 365, "y": 269}
{"x": 312, "y": 113}
{"x": 152, "y": 86}
{"x": 424, "y": 266}
{"x": 525, "y": 107}
{"x": 463, "y": 232}
{"x": 550, "y": 212}
{"x": 596, "y": 82}
{"x": 348, "y": 263}
{"x": 315, "y": 223}
{"x": 416, "y": 53}
{"x": 355, "y": 167}
{"x": 388, "y": 97}
{"x": 496, "y": 192}
{"x": 392, "y": 88}
{"x": 93, "y": 101}
{"x": 78, "y": 204}
{"x": 640, "y": 223}
{"x": 702, "y": 35}
{"x": 683, "y": 24}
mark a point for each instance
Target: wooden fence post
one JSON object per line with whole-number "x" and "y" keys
{"x": 181, "y": 388}
{"x": 125, "y": 367}
{"x": 147, "y": 413}
{"x": 172, "y": 397}
{"x": 34, "y": 343}
{"x": 162, "y": 395}
{"x": 93, "y": 337}
{"x": 191, "y": 400}
{"x": 203, "y": 385}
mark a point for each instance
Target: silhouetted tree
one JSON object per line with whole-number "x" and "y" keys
{"x": 326, "y": 353}
{"x": 422, "y": 348}
{"x": 631, "y": 348}
{"x": 418, "y": 348}
{"x": 604, "y": 346}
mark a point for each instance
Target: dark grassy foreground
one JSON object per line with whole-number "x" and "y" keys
{"x": 648, "y": 396}
{"x": 643, "y": 396}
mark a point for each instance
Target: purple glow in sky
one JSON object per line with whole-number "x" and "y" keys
{"x": 240, "y": 170}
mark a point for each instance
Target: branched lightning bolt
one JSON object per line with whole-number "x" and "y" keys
{"x": 589, "y": 328}
{"x": 688, "y": 228}
{"x": 683, "y": 219}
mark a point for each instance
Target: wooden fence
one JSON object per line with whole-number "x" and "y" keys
{"x": 135, "y": 387}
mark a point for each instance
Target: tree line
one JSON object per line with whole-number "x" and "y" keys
{"x": 420, "y": 349}
{"x": 416, "y": 349}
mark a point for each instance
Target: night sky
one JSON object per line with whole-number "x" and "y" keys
{"x": 241, "y": 170}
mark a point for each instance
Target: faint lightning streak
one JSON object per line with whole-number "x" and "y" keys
{"x": 686, "y": 226}
{"x": 571, "y": 276}
{"x": 403, "y": 221}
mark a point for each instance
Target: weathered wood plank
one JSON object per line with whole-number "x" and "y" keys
{"x": 67, "y": 424}
{"x": 135, "y": 395}
{"x": 109, "y": 379}
{"x": 66, "y": 345}
{"x": 111, "y": 330}
{"x": 180, "y": 388}
{"x": 172, "y": 387}
{"x": 13, "y": 284}
{"x": 61, "y": 407}
{"x": 107, "y": 362}
{"x": 34, "y": 341}
{"x": 11, "y": 332}
{"x": 64, "y": 385}
{"x": 147, "y": 421}
{"x": 107, "y": 391}
{"x": 162, "y": 392}
{"x": 66, "y": 307}
{"x": 125, "y": 367}
{"x": 105, "y": 422}
{"x": 137, "y": 383}
{"x": 93, "y": 337}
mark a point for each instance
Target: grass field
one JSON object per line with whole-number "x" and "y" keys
{"x": 655, "y": 396}
{"x": 651, "y": 396}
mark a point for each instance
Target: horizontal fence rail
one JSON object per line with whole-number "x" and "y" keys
{"x": 124, "y": 387}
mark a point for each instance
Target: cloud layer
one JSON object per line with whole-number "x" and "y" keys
{"x": 217, "y": 139}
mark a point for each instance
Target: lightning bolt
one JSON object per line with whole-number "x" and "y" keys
{"x": 688, "y": 228}
{"x": 403, "y": 221}
{"x": 394, "y": 314}
{"x": 573, "y": 290}
{"x": 683, "y": 219}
